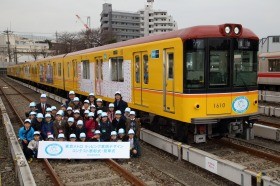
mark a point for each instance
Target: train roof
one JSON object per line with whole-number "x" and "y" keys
{"x": 185, "y": 33}
{"x": 270, "y": 55}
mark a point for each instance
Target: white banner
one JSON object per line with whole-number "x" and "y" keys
{"x": 83, "y": 150}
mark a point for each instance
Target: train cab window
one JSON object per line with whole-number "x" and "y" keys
{"x": 86, "y": 69}
{"x": 245, "y": 63}
{"x": 116, "y": 67}
{"x": 274, "y": 65}
{"x": 146, "y": 69}
{"x": 170, "y": 65}
{"x": 137, "y": 69}
{"x": 219, "y": 62}
{"x": 59, "y": 69}
{"x": 194, "y": 64}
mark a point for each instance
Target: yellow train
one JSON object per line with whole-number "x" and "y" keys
{"x": 194, "y": 82}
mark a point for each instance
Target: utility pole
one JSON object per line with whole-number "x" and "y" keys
{"x": 15, "y": 55}
{"x": 9, "y": 49}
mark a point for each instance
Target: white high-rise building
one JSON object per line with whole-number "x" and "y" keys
{"x": 155, "y": 21}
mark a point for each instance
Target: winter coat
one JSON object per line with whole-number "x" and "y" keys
{"x": 91, "y": 125}
{"x": 40, "y": 109}
{"x": 120, "y": 105}
{"x": 70, "y": 130}
{"x": 24, "y": 134}
{"x": 36, "y": 125}
{"x": 105, "y": 129}
{"x": 79, "y": 131}
{"x": 135, "y": 125}
{"x": 47, "y": 127}
{"x": 119, "y": 124}
{"x": 59, "y": 127}
{"x": 33, "y": 145}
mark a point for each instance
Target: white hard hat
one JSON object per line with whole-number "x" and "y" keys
{"x": 131, "y": 131}
{"x": 60, "y": 112}
{"x": 92, "y": 105}
{"x": 32, "y": 113}
{"x": 111, "y": 105}
{"x": 40, "y": 115}
{"x": 118, "y": 92}
{"x": 43, "y": 95}
{"x": 86, "y": 101}
{"x": 82, "y": 135}
{"x": 113, "y": 133}
{"x": 36, "y": 133}
{"x": 60, "y": 135}
{"x": 99, "y": 112}
{"x": 71, "y": 119}
{"x": 50, "y": 136}
{"x": 54, "y": 108}
{"x": 32, "y": 104}
{"x": 97, "y": 132}
{"x": 71, "y": 92}
{"x": 27, "y": 121}
{"x": 127, "y": 109}
{"x": 48, "y": 116}
{"x": 132, "y": 113}
{"x": 99, "y": 100}
{"x": 91, "y": 94}
{"x": 76, "y": 112}
{"x": 80, "y": 122}
{"x": 104, "y": 114}
{"x": 48, "y": 109}
{"x": 76, "y": 99}
{"x": 121, "y": 131}
{"x": 118, "y": 112}
{"x": 91, "y": 114}
{"x": 72, "y": 135}
{"x": 86, "y": 112}
{"x": 69, "y": 108}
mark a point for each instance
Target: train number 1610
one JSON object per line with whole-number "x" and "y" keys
{"x": 219, "y": 105}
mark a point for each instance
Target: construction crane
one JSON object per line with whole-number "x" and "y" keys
{"x": 85, "y": 25}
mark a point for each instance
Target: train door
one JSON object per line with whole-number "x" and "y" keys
{"x": 168, "y": 80}
{"x": 75, "y": 74}
{"x": 98, "y": 75}
{"x": 140, "y": 77}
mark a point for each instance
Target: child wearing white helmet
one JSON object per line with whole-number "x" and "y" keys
{"x": 135, "y": 150}
{"x": 32, "y": 148}
{"x": 99, "y": 105}
{"x": 111, "y": 112}
{"x": 69, "y": 113}
{"x": 47, "y": 127}
{"x": 133, "y": 123}
{"x": 113, "y": 136}
{"x": 80, "y": 129}
{"x": 91, "y": 98}
{"x": 59, "y": 124}
{"x": 121, "y": 135}
{"x": 73, "y": 137}
{"x": 98, "y": 117}
{"x": 71, "y": 96}
{"x": 91, "y": 125}
{"x": 96, "y": 137}
{"x": 61, "y": 137}
{"x": 50, "y": 138}
{"x": 93, "y": 109}
{"x": 105, "y": 127}
{"x": 32, "y": 108}
{"x": 25, "y": 134}
{"x": 127, "y": 112}
{"x": 37, "y": 123}
{"x": 32, "y": 115}
{"x": 70, "y": 127}
{"x": 85, "y": 107}
{"x": 119, "y": 121}
{"x": 83, "y": 137}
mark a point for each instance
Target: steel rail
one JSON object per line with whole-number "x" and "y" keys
{"x": 249, "y": 150}
{"x": 123, "y": 172}
{"x": 49, "y": 169}
{"x": 267, "y": 123}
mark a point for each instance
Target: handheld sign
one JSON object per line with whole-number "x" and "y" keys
{"x": 83, "y": 150}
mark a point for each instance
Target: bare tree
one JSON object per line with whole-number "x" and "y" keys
{"x": 44, "y": 52}
{"x": 35, "y": 53}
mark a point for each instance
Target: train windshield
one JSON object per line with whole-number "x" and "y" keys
{"x": 220, "y": 64}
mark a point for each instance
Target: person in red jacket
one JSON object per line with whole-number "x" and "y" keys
{"x": 91, "y": 126}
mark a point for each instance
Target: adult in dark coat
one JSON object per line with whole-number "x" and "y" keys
{"x": 118, "y": 122}
{"x": 43, "y": 105}
{"x": 71, "y": 96}
{"x": 119, "y": 103}
{"x": 105, "y": 127}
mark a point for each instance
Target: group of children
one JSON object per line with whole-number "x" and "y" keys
{"x": 76, "y": 121}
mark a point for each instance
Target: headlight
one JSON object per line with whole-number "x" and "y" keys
{"x": 227, "y": 29}
{"x": 236, "y": 30}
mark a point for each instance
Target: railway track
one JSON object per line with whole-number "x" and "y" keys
{"x": 114, "y": 170}
{"x": 247, "y": 154}
{"x": 268, "y": 123}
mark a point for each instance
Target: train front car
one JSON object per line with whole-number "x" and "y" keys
{"x": 220, "y": 81}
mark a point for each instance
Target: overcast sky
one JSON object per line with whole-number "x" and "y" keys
{"x": 49, "y": 16}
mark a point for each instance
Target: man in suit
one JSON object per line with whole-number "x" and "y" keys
{"x": 43, "y": 105}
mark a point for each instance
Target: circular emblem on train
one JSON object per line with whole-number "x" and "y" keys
{"x": 240, "y": 104}
{"x": 53, "y": 149}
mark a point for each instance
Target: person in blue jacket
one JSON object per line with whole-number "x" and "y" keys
{"x": 25, "y": 134}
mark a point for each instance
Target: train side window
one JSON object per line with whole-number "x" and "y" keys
{"x": 274, "y": 65}
{"x": 86, "y": 68}
{"x": 59, "y": 69}
{"x": 170, "y": 66}
{"x": 146, "y": 69}
{"x": 116, "y": 69}
{"x": 137, "y": 69}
